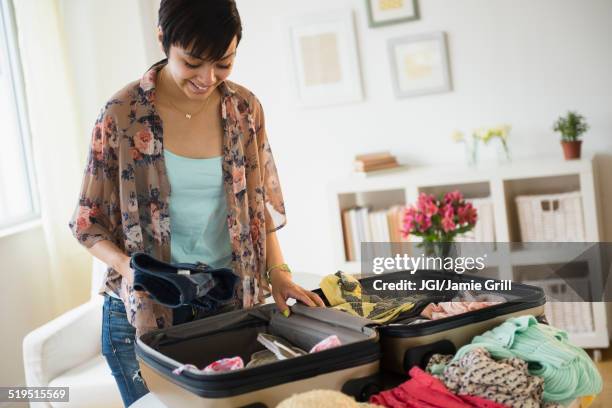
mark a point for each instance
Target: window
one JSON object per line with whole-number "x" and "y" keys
{"x": 18, "y": 201}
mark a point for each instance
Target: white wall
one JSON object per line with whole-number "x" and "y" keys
{"x": 106, "y": 50}
{"x": 520, "y": 62}
{"x": 512, "y": 61}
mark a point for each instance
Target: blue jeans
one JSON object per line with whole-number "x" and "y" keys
{"x": 118, "y": 339}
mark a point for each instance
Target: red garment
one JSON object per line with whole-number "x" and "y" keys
{"x": 327, "y": 343}
{"x": 426, "y": 391}
{"x": 480, "y": 402}
{"x": 225, "y": 364}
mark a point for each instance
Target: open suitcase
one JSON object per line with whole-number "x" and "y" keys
{"x": 404, "y": 345}
{"x": 351, "y": 368}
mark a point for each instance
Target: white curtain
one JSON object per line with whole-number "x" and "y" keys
{"x": 55, "y": 141}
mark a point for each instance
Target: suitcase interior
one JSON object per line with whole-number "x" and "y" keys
{"x": 404, "y": 345}
{"x": 521, "y": 297}
{"x": 235, "y": 334}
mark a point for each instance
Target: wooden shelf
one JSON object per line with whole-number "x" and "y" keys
{"x": 502, "y": 184}
{"x": 537, "y": 256}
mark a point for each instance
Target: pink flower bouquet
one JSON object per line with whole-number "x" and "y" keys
{"x": 439, "y": 219}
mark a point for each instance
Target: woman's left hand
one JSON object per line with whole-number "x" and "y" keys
{"x": 284, "y": 288}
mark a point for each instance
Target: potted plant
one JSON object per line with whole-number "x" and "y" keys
{"x": 571, "y": 126}
{"x": 438, "y": 220}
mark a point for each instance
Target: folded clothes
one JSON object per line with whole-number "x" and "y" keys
{"x": 462, "y": 303}
{"x": 344, "y": 292}
{"x": 174, "y": 285}
{"x": 435, "y": 311}
{"x": 506, "y": 381}
{"x": 468, "y": 296}
{"x": 184, "y": 367}
{"x": 225, "y": 364}
{"x": 567, "y": 370}
{"x": 277, "y": 348}
{"x": 426, "y": 391}
{"x": 479, "y": 402}
{"x": 327, "y": 343}
{"x": 262, "y": 357}
{"x": 280, "y": 347}
{"x": 219, "y": 366}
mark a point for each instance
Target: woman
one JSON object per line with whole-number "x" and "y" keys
{"x": 183, "y": 128}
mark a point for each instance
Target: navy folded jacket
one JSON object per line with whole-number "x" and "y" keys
{"x": 174, "y": 285}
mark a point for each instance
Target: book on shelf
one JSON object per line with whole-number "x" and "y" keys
{"x": 360, "y": 224}
{"x": 347, "y": 233}
{"x": 367, "y": 230}
{"x": 395, "y": 216}
{"x": 357, "y": 233}
{"x": 393, "y": 225}
{"x": 360, "y": 167}
{"x": 373, "y": 156}
{"x": 374, "y": 162}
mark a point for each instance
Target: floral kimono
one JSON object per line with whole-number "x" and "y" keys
{"x": 125, "y": 193}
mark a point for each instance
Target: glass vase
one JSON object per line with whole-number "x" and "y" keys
{"x": 471, "y": 153}
{"x": 503, "y": 153}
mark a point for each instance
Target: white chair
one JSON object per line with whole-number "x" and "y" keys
{"x": 66, "y": 352}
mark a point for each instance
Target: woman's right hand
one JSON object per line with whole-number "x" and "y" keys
{"x": 114, "y": 257}
{"x": 125, "y": 269}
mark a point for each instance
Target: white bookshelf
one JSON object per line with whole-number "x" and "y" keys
{"x": 501, "y": 183}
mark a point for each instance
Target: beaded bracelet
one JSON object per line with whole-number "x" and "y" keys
{"x": 270, "y": 269}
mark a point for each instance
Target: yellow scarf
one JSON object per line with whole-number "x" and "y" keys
{"x": 344, "y": 292}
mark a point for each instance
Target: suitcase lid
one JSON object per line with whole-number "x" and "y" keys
{"x": 521, "y": 297}
{"x": 336, "y": 318}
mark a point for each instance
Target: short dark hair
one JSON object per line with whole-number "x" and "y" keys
{"x": 204, "y": 27}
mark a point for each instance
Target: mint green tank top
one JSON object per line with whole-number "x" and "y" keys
{"x": 198, "y": 211}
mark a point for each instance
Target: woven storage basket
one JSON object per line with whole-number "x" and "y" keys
{"x": 551, "y": 217}
{"x": 564, "y": 308}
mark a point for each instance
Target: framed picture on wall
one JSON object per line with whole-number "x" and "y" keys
{"x": 419, "y": 64}
{"x": 325, "y": 58}
{"x": 385, "y": 12}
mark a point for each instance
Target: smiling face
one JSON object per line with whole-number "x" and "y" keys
{"x": 196, "y": 76}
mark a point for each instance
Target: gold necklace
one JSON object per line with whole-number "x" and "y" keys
{"x": 188, "y": 115}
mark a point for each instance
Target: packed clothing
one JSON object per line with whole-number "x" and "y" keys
{"x": 344, "y": 292}
{"x": 463, "y": 303}
{"x": 505, "y": 381}
{"x": 520, "y": 363}
{"x": 567, "y": 370}
{"x": 276, "y": 349}
{"x": 425, "y": 391}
